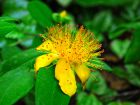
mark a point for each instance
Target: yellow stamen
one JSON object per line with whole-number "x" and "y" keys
{"x": 75, "y": 50}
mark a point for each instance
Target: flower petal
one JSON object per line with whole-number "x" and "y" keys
{"x": 66, "y": 77}
{"x": 83, "y": 72}
{"x": 47, "y": 46}
{"x": 44, "y": 60}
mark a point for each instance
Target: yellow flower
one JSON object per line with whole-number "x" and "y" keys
{"x": 63, "y": 13}
{"x": 73, "y": 49}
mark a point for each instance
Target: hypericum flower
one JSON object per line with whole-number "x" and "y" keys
{"x": 63, "y": 13}
{"x": 73, "y": 49}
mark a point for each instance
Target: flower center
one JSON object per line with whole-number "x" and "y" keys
{"x": 75, "y": 48}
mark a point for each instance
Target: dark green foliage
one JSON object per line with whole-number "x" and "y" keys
{"x": 85, "y": 99}
{"x": 48, "y": 85}
{"x": 19, "y": 59}
{"x": 6, "y": 27}
{"x": 115, "y": 23}
{"x": 41, "y": 13}
{"x": 15, "y": 84}
{"x": 102, "y": 2}
{"x": 119, "y": 103}
{"x": 119, "y": 47}
{"x": 132, "y": 55}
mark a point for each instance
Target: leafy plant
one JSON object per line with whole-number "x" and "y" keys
{"x": 25, "y": 24}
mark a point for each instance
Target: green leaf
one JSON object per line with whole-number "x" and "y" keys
{"x": 105, "y": 98}
{"x": 102, "y": 2}
{"x": 36, "y": 41}
{"x": 7, "y": 19}
{"x": 120, "y": 72}
{"x": 15, "y": 9}
{"x": 19, "y": 59}
{"x": 41, "y": 13}
{"x": 14, "y": 85}
{"x": 101, "y": 22}
{"x": 121, "y": 103}
{"x": 98, "y": 35}
{"x": 119, "y": 47}
{"x": 64, "y": 2}
{"x": 14, "y": 35}
{"x": 122, "y": 28}
{"x": 116, "y": 33}
{"x": 100, "y": 64}
{"x": 85, "y": 99}
{"x": 47, "y": 89}
{"x": 132, "y": 55}
{"x": 96, "y": 84}
{"x": 9, "y": 51}
{"x": 6, "y": 27}
{"x": 133, "y": 74}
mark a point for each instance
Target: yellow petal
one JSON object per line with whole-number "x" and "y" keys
{"x": 83, "y": 72}
{"x": 47, "y": 46}
{"x": 44, "y": 60}
{"x": 66, "y": 77}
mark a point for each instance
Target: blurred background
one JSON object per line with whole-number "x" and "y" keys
{"x": 115, "y": 23}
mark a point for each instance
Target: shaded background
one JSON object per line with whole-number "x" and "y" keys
{"x": 115, "y": 23}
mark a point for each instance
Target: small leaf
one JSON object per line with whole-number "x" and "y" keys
{"x": 14, "y": 85}
{"x": 132, "y": 55}
{"x": 6, "y": 27}
{"x": 120, "y": 47}
{"x": 85, "y": 99}
{"x": 64, "y": 2}
{"x": 100, "y": 64}
{"x": 122, "y": 28}
{"x": 41, "y": 13}
{"x": 97, "y": 84}
{"x": 47, "y": 89}
{"x": 101, "y": 22}
{"x": 15, "y": 35}
{"x": 133, "y": 74}
{"x": 7, "y": 19}
{"x": 120, "y": 72}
